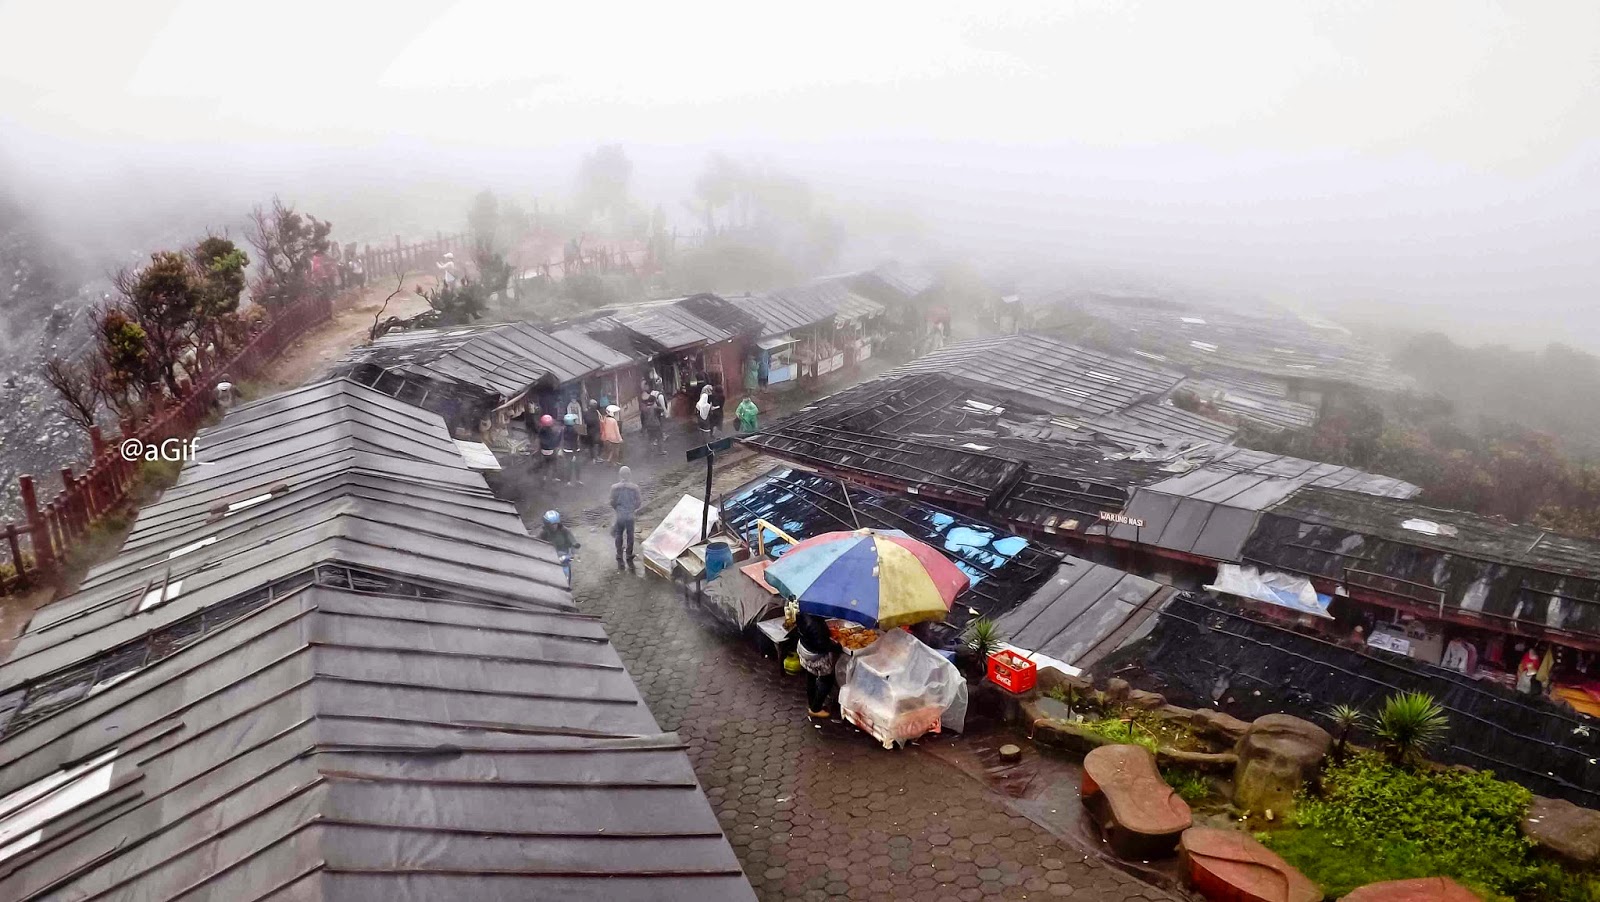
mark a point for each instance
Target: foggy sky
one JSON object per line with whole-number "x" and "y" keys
{"x": 1433, "y": 162}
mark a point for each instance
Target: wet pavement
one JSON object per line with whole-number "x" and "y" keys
{"x": 819, "y": 810}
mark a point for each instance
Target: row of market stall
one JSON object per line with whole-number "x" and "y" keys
{"x": 482, "y": 377}
{"x": 328, "y": 663}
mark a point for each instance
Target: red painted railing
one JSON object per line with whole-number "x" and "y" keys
{"x": 37, "y": 546}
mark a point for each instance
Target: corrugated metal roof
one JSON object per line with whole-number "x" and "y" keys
{"x": 964, "y": 442}
{"x": 1253, "y": 404}
{"x": 1062, "y": 377}
{"x": 343, "y": 672}
{"x": 1210, "y": 511}
{"x": 672, "y": 325}
{"x": 1084, "y": 612}
{"x": 504, "y": 359}
{"x": 1177, "y": 421}
{"x": 1270, "y": 342}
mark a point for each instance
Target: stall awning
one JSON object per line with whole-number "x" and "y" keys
{"x": 776, "y": 341}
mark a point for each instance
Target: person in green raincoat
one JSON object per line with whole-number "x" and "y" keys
{"x": 746, "y": 414}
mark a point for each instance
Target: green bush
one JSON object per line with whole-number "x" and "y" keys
{"x": 1379, "y": 821}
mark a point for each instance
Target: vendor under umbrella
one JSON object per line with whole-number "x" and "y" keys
{"x": 818, "y": 654}
{"x": 877, "y": 578}
{"x": 880, "y": 579}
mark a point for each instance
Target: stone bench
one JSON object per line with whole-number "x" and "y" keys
{"x": 1230, "y": 866}
{"x": 1140, "y": 816}
{"x": 1426, "y": 889}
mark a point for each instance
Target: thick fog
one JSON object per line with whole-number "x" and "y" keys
{"x": 1431, "y": 164}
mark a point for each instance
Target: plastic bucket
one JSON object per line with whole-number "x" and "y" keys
{"x": 719, "y": 557}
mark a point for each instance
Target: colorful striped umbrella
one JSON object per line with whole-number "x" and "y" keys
{"x": 878, "y": 578}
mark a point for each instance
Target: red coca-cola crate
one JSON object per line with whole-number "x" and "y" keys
{"x": 1012, "y": 672}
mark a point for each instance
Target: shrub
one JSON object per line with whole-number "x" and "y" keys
{"x": 1409, "y": 725}
{"x": 1406, "y": 823}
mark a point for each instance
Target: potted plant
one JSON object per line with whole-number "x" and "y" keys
{"x": 981, "y": 638}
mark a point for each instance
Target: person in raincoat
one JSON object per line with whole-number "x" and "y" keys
{"x": 745, "y": 413}
{"x": 611, "y": 435}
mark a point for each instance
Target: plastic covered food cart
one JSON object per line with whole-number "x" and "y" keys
{"x": 898, "y": 689}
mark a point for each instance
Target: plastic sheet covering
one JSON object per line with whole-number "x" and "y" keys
{"x": 898, "y": 689}
{"x": 1272, "y": 587}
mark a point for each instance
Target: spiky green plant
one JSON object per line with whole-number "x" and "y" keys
{"x": 1409, "y": 725}
{"x": 1346, "y": 719}
{"x": 983, "y": 637}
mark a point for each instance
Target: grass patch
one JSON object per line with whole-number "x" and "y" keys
{"x": 1379, "y": 821}
{"x": 1124, "y": 732}
{"x": 1192, "y": 787}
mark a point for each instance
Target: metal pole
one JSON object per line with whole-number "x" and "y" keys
{"x": 705, "y": 511}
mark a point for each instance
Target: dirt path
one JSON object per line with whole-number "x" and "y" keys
{"x": 309, "y": 359}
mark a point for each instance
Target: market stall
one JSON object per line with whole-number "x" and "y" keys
{"x": 872, "y": 585}
{"x": 777, "y": 360}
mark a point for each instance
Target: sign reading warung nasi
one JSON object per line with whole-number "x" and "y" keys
{"x": 1124, "y": 519}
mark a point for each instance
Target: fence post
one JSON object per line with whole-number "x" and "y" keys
{"x": 43, "y": 554}
{"x": 17, "y": 564}
{"x": 70, "y": 498}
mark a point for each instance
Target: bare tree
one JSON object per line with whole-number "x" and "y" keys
{"x": 287, "y": 244}
{"x": 399, "y": 286}
{"x": 78, "y": 388}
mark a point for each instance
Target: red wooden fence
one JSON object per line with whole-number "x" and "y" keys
{"x": 37, "y": 546}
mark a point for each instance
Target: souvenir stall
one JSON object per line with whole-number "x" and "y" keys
{"x": 776, "y": 360}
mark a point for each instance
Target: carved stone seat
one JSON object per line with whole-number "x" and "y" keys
{"x": 1426, "y": 889}
{"x": 1230, "y": 866}
{"x": 1140, "y": 816}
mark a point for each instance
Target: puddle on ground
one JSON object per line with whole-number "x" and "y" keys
{"x": 1044, "y": 787}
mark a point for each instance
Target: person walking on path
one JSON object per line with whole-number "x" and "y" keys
{"x": 561, "y": 538}
{"x": 591, "y": 430}
{"x": 660, "y": 402}
{"x": 625, "y": 503}
{"x": 718, "y": 399}
{"x": 549, "y": 445}
{"x": 745, "y": 413}
{"x": 569, "y": 448}
{"x": 650, "y": 420}
{"x": 611, "y": 435}
{"x": 817, "y": 652}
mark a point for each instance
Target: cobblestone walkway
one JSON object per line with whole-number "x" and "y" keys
{"x": 823, "y": 812}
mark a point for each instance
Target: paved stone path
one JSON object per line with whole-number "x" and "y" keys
{"x": 821, "y": 812}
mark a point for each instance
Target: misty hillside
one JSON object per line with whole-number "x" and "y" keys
{"x": 32, "y": 276}
{"x": 1552, "y": 390}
